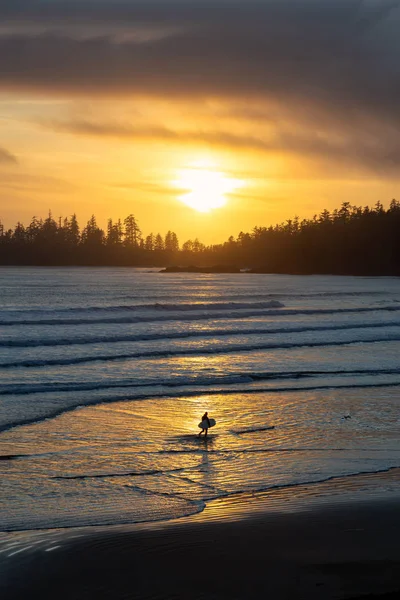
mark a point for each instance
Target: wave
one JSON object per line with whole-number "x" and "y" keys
{"x": 235, "y": 348}
{"x": 243, "y": 314}
{"x": 108, "y": 475}
{"x": 182, "y": 306}
{"x": 187, "y": 394}
{"x": 203, "y": 333}
{"x": 122, "y": 474}
{"x": 168, "y": 306}
{"x": 279, "y": 295}
{"x": 198, "y": 506}
{"x": 23, "y": 389}
{"x": 42, "y": 388}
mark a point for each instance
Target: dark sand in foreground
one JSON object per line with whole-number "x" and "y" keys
{"x": 342, "y": 550}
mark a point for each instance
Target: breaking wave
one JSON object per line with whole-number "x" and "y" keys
{"x": 185, "y": 381}
{"x": 177, "y": 335}
{"x": 228, "y": 314}
{"x": 234, "y": 348}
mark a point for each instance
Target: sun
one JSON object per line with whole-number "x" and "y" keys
{"x": 206, "y": 187}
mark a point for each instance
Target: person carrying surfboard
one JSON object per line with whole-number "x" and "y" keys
{"x": 206, "y": 422}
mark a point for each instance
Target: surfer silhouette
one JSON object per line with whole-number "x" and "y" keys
{"x": 206, "y": 422}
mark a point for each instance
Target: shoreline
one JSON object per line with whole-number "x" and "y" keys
{"x": 311, "y": 546}
{"x": 297, "y": 497}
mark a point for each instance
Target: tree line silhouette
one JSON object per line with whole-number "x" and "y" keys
{"x": 350, "y": 240}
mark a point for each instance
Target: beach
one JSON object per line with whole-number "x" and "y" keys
{"x": 261, "y": 547}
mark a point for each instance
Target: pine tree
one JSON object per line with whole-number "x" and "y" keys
{"x": 159, "y": 243}
{"x": 133, "y": 233}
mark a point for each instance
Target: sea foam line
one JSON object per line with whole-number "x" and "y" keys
{"x": 159, "y": 306}
{"x": 203, "y": 333}
{"x": 177, "y": 316}
{"x": 182, "y": 381}
{"x": 235, "y": 348}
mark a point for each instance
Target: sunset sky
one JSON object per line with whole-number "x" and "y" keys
{"x": 206, "y": 117}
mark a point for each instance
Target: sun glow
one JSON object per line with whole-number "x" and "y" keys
{"x": 206, "y": 187}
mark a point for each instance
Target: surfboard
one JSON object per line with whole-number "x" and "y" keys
{"x": 204, "y": 424}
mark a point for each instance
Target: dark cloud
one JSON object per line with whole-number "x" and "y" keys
{"x": 334, "y": 50}
{"x": 154, "y": 132}
{"x": 6, "y": 158}
{"x": 359, "y": 147}
{"x": 328, "y": 63}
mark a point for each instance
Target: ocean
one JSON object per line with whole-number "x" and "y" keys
{"x": 106, "y": 372}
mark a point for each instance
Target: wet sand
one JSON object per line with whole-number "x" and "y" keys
{"x": 342, "y": 550}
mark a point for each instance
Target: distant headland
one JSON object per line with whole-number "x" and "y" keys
{"x": 194, "y": 269}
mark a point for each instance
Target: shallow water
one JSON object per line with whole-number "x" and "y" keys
{"x": 105, "y": 374}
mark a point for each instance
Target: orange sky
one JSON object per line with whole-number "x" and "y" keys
{"x": 124, "y": 110}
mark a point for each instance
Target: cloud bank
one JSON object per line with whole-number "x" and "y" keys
{"x": 333, "y": 51}
{"x": 332, "y": 64}
{"x": 376, "y": 152}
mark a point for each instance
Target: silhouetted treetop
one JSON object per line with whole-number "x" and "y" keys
{"x": 349, "y": 240}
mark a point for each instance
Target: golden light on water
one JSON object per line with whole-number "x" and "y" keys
{"x": 206, "y": 187}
